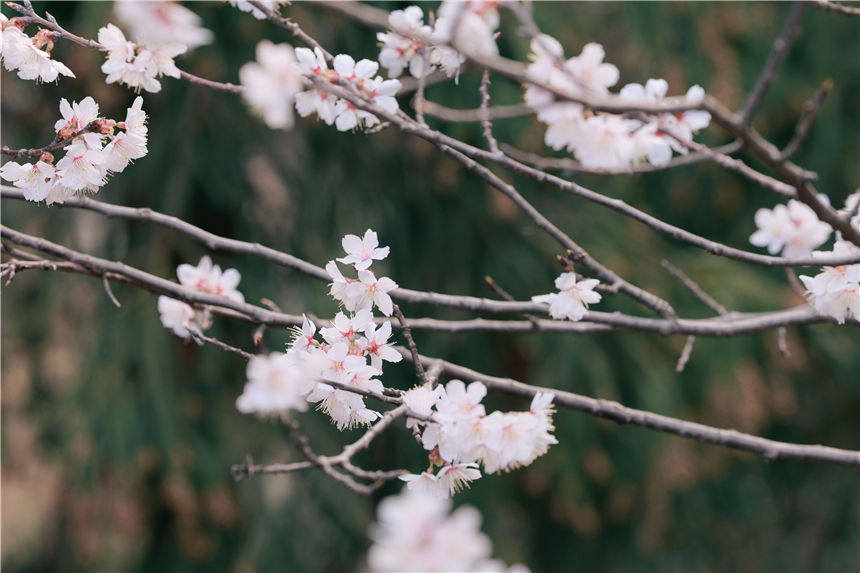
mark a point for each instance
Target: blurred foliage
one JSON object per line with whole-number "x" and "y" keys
{"x": 118, "y": 438}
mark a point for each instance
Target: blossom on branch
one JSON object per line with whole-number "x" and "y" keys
{"x": 573, "y": 297}
{"x": 416, "y": 532}
{"x": 159, "y": 22}
{"x": 96, "y": 150}
{"x": 25, "y": 54}
{"x": 135, "y": 66}
{"x": 272, "y": 82}
{"x": 793, "y": 230}
{"x": 604, "y": 141}
{"x": 183, "y": 319}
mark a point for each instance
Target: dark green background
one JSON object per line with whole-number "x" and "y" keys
{"x": 118, "y": 438}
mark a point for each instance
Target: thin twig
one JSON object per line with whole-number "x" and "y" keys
{"x": 506, "y": 296}
{"x": 694, "y": 287}
{"x": 407, "y": 334}
{"x": 777, "y": 54}
{"x": 837, "y": 7}
{"x": 486, "y": 124}
{"x": 804, "y": 126}
{"x": 685, "y": 354}
{"x": 573, "y": 166}
{"x": 769, "y": 449}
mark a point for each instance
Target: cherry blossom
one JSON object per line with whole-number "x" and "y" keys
{"x": 794, "y": 230}
{"x": 155, "y": 23}
{"x": 358, "y": 75}
{"x": 572, "y": 299}
{"x": 468, "y": 26}
{"x": 377, "y": 347}
{"x": 361, "y": 252}
{"x": 136, "y": 66}
{"x": 36, "y": 180}
{"x": 21, "y": 52}
{"x": 276, "y": 383}
{"x": 178, "y": 316}
{"x": 835, "y": 291}
{"x": 271, "y": 83}
{"x": 246, "y": 6}
{"x": 416, "y": 532}
{"x": 209, "y": 278}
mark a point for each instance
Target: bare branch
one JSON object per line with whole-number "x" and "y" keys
{"x": 804, "y": 126}
{"x": 568, "y": 164}
{"x": 837, "y": 7}
{"x": 769, "y": 449}
{"x": 777, "y": 54}
{"x": 694, "y": 288}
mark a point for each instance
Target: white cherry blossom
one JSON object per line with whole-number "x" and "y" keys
{"x": 573, "y": 297}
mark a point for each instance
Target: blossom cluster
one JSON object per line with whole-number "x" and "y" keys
{"x": 573, "y": 297}
{"x": 412, "y": 44}
{"x": 246, "y": 6}
{"x": 460, "y": 435}
{"x": 96, "y": 151}
{"x": 161, "y": 32}
{"x": 182, "y": 318}
{"x": 605, "y": 141}
{"x": 351, "y": 352}
{"x": 835, "y": 291}
{"x": 275, "y": 83}
{"x": 418, "y": 532}
{"x": 792, "y": 230}
{"x": 30, "y": 56}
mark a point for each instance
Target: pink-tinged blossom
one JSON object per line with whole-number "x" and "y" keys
{"x": 276, "y": 383}
{"x": 359, "y": 75}
{"x": 590, "y": 71}
{"x": 177, "y": 316}
{"x": 369, "y": 290}
{"x": 835, "y": 291}
{"x": 155, "y": 23}
{"x": 453, "y": 478}
{"x": 416, "y": 533}
{"x": 80, "y": 169}
{"x": 35, "y": 180}
{"x": 793, "y": 230}
{"x": 573, "y": 297}
{"x": 422, "y": 399}
{"x": 20, "y": 53}
{"x": 209, "y": 278}
{"x": 246, "y": 6}
{"x": 604, "y": 142}
{"x": 304, "y": 336}
{"x": 377, "y": 347}
{"x": 345, "y": 328}
{"x": 77, "y": 116}
{"x": 468, "y": 26}
{"x": 272, "y": 82}
{"x": 399, "y": 52}
{"x": 134, "y": 66}
{"x": 361, "y": 252}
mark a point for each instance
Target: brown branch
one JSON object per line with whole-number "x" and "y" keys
{"x": 729, "y": 325}
{"x": 769, "y": 449}
{"x": 407, "y": 334}
{"x": 777, "y": 54}
{"x": 694, "y": 287}
{"x": 475, "y": 115}
{"x": 92, "y": 127}
{"x": 486, "y": 125}
{"x": 568, "y": 164}
{"x": 804, "y": 126}
{"x": 837, "y": 7}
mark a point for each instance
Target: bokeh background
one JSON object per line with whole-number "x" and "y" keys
{"x": 117, "y": 437}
